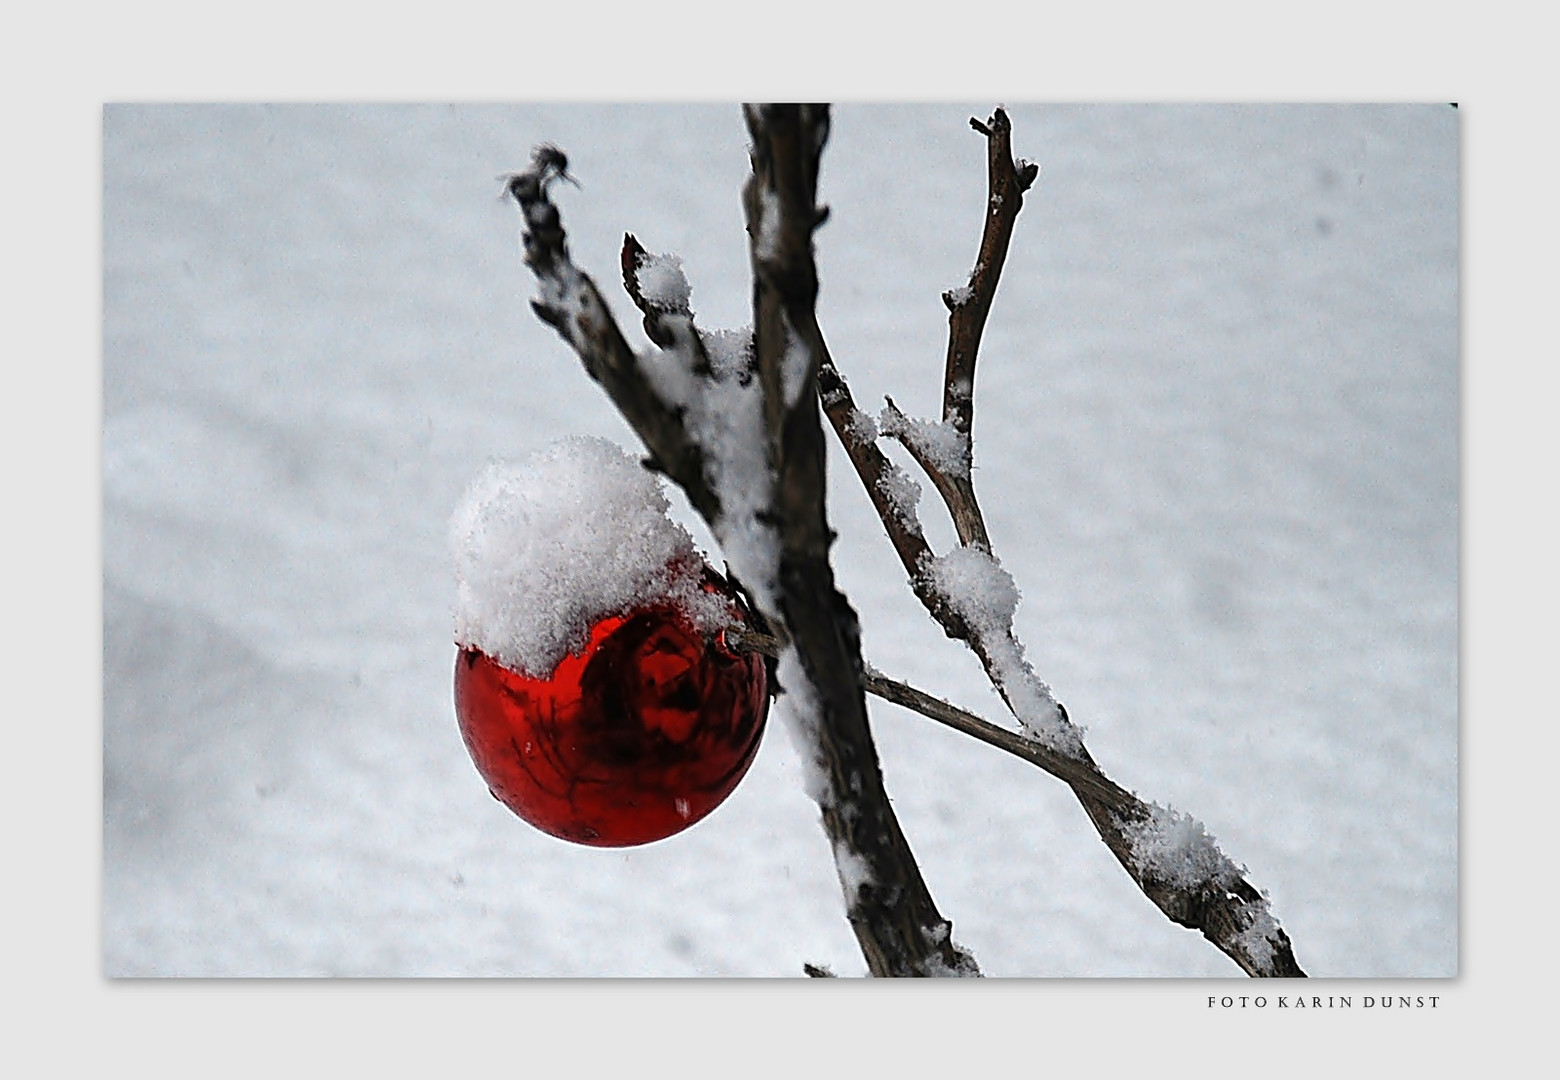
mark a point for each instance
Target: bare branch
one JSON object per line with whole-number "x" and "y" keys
{"x": 1226, "y": 908}
{"x": 969, "y": 306}
{"x": 1217, "y": 901}
{"x": 1069, "y": 770}
{"x": 568, "y": 301}
{"x": 1220, "y": 903}
{"x": 858, "y": 435}
{"x": 677, "y": 410}
{"x": 888, "y": 904}
{"x": 992, "y": 641}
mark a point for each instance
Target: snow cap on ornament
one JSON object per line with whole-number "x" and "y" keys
{"x": 592, "y": 689}
{"x": 545, "y": 550}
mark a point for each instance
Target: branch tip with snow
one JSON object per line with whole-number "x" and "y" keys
{"x": 1185, "y": 872}
{"x": 973, "y": 599}
{"x": 749, "y": 457}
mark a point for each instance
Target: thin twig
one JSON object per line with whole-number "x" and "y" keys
{"x": 998, "y": 650}
{"x": 856, "y": 432}
{"x": 895, "y": 920}
{"x": 568, "y": 301}
{"x": 968, "y": 308}
{"x": 888, "y": 905}
{"x": 1069, "y": 770}
{"x": 1226, "y": 908}
{"x": 967, "y": 311}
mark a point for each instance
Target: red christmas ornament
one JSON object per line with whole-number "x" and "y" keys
{"x": 632, "y": 740}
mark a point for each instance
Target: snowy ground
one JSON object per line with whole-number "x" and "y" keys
{"x": 1216, "y": 442}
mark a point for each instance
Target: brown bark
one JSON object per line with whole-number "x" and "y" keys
{"x": 1225, "y": 908}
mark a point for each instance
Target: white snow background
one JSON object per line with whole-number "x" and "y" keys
{"x": 1216, "y": 445}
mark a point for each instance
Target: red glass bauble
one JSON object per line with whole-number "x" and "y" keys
{"x": 632, "y": 740}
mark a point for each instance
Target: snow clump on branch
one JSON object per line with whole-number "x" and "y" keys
{"x": 940, "y": 444}
{"x": 545, "y": 550}
{"x": 663, "y": 283}
{"x": 902, "y": 494}
{"x": 722, "y": 410}
{"x": 1176, "y": 848}
{"x": 978, "y": 588}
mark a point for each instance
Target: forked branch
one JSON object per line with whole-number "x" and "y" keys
{"x": 735, "y": 424}
{"x": 732, "y": 420}
{"x": 568, "y": 301}
{"x": 1168, "y": 855}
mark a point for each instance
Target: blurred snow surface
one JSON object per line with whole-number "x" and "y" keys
{"x": 1216, "y": 443}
